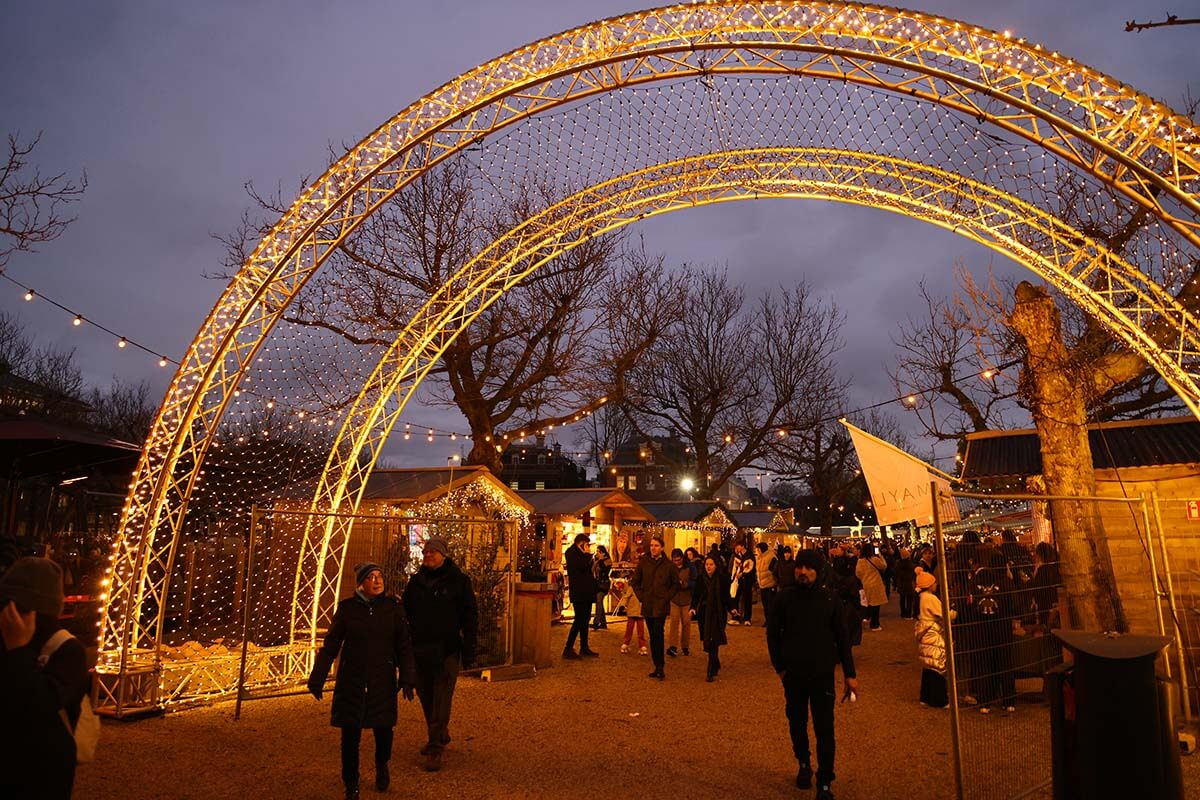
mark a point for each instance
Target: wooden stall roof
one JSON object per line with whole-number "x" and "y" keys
{"x": 573, "y": 502}
{"x": 778, "y": 520}
{"x": 415, "y": 485}
{"x": 1115, "y": 445}
{"x": 681, "y": 511}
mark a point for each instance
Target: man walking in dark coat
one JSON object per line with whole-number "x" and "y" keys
{"x": 581, "y": 584}
{"x": 371, "y": 635}
{"x": 655, "y": 582}
{"x": 444, "y": 618}
{"x": 806, "y": 639}
{"x": 43, "y": 676}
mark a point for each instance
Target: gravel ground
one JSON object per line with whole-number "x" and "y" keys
{"x": 585, "y": 729}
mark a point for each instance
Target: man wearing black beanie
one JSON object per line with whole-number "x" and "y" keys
{"x": 806, "y": 638}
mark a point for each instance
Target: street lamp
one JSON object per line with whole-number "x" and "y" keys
{"x": 687, "y": 484}
{"x": 451, "y": 461}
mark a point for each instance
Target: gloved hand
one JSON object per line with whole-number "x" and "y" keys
{"x": 408, "y": 692}
{"x": 316, "y": 689}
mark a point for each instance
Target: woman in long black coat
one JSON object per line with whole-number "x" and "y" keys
{"x": 370, "y": 632}
{"x": 993, "y": 614}
{"x": 710, "y": 606}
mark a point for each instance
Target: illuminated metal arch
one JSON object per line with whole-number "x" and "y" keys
{"x": 1139, "y": 147}
{"x": 1060, "y": 254}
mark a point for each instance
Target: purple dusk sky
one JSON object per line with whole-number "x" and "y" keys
{"x": 171, "y": 107}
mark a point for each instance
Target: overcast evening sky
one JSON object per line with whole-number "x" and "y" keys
{"x": 171, "y": 107}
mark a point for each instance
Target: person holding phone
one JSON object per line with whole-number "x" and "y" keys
{"x": 807, "y": 638}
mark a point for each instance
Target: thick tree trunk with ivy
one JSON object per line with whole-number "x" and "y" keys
{"x": 1054, "y": 388}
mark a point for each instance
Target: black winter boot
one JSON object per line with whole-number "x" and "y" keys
{"x": 382, "y": 778}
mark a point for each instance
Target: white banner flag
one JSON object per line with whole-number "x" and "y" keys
{"x": 899, "y": 482}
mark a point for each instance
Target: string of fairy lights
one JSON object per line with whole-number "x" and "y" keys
{"x": 279, "y": 424}
{"x": 78, "y": 320}
{"x": 908, "y": 399}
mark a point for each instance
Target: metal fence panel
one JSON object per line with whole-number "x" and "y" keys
{"x": 1002, "y": 577}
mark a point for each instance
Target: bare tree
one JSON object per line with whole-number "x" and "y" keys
{"x": 32, "y": 205}
{"x": 16, "y": 351}
{"x": 724, "y": 380}
{"x": 951, "y": 358}
{"x": 603, "y": 431}
{"x": 55, "y": 370}
{"x": 820, "y": 454}
{"x": 556, "y": 345}
{"x": 124, "y": 410}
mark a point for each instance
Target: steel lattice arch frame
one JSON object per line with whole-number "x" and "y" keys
{"x": 1087, "y": 126}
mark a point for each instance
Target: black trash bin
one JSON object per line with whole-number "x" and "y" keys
{"x": 1111, "y": 721}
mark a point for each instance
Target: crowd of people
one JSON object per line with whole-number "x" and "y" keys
{"x": 1000, "y": 591}
{"x": 817, "y": 604}
{"x": 807, "y": 619}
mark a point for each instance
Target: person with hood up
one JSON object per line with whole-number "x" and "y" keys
{"x": 806, "y": 639}
{"x": 930, "y": 633}
{"x": 710, "y": 607}
{"x": 43, "y": 680}
{"x": 369, "y": 636}
{"x": 444, "y": 617}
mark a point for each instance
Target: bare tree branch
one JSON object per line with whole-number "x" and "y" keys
{"x": 1172, "y": 19}
{"x": 32, "y": 205}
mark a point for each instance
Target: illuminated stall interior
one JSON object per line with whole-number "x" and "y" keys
{"x": 600, "y": 513}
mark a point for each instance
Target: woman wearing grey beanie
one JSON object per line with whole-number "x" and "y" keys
{"x": 369, "y": 635}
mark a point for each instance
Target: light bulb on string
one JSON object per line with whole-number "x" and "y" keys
{"x": 77, "y": 321}
{"x": 28, "y": 295}
{"x": 122, "y": 343}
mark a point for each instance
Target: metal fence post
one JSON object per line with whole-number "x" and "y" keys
{"x": 241, "y": 684}
{"x": 1156, "y": 583}
{"x": 1178, "y": 635}
{"x": 951, "y": 674}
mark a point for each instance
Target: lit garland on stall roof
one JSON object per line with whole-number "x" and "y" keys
{"x": 480, "y": 493}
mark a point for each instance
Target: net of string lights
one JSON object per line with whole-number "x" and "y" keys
{"x": 872, "y": 106}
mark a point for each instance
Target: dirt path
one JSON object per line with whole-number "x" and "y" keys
{"x": 584, "y": 729}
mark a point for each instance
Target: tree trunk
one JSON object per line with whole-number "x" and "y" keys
{"x": 484, "y": 453}
{"x": 1059, "y": 412}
